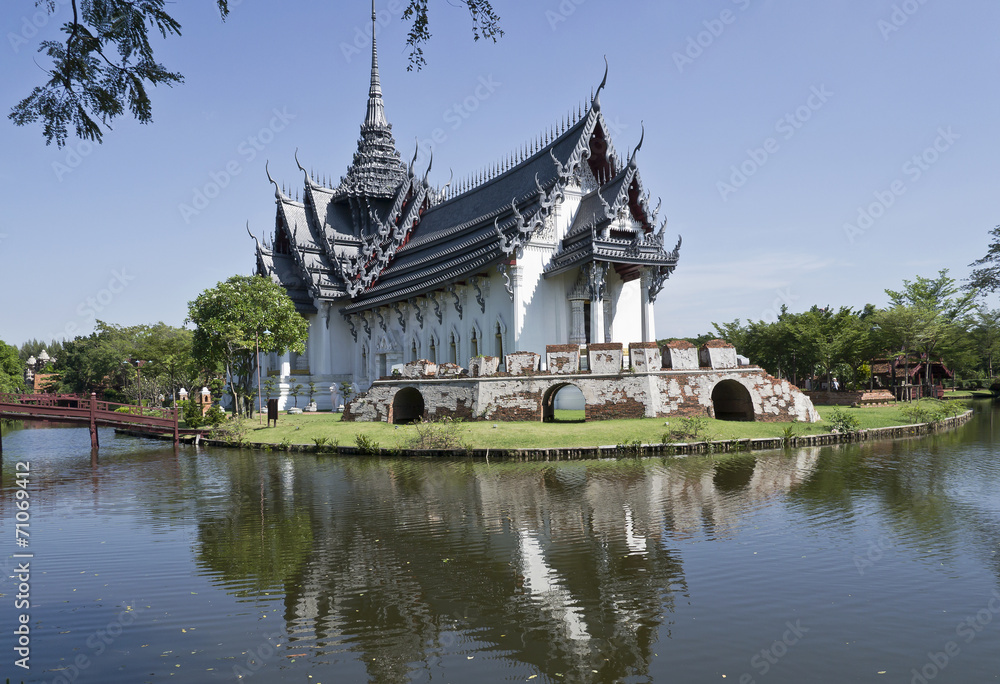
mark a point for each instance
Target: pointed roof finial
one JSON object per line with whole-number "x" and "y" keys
{"x": 277, "y": 192}
{"x": 638, "y": 147}
{"x": 376, "y": 108}
{"x": 596, "y": 99}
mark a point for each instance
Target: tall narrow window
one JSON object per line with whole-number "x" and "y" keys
{"x": 454, "y": 349}
{"x": 474, "y": 343}
{"x": 413, "y": 351}
{"x": 433, "y": 353}
{"x": 499, "y": 343}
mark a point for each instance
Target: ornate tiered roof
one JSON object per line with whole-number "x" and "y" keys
{"x": 383, "y": 235}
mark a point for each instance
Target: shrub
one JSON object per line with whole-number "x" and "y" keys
{"x": 787, "y": 435}
{"x": 367, "y": 446}
{"x": 843, "y": 422}
{"x": 215, "y": 416}
{"x": 690, "y": 428}
{"x": 445, "y": 433}
{"x": 323, "y": 442}
{"x": 631, "y": 449}
{"x": 233, "y": 431}
{"x": 192, "y": 414}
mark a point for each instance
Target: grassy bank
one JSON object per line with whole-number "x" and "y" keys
{"x": 307, "y": 428}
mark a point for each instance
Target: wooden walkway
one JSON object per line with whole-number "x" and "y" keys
{"x": 70, "y": 408}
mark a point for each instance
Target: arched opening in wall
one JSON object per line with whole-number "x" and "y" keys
{"x": 407, "y": 406}
{"x": 732, "y": 401}
{"x": 474, "y": 343}
{"x": 564, "y": 403}
{"x": 433, "y": 355}
{"x": 413, "y": 352}
{"x": 499, "y": 342}
{"x": 453, "y": 349}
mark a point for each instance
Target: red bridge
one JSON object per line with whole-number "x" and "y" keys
{"x": 70, "y": 408}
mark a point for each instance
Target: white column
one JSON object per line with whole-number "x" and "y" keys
{"x": 516, "y": 273}
{"x": 597, "y": 291}
{"x": 577, "y": 329}
{"x": 596, "y": 320}
{"x": 645, "y": 306}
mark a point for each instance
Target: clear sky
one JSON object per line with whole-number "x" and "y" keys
{"x": 808, "y": 152}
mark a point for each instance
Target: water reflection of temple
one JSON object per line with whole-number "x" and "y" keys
{"x": 568, "y": 569}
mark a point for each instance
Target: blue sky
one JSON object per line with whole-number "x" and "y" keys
{"x": 808, "y": 153}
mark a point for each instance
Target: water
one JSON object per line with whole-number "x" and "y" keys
{"x": 836, "y": 564}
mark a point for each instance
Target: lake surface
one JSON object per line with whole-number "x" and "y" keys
{"x": 872, "y": 563}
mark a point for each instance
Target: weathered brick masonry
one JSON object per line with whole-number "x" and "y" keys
{"x": 746, "y": 393}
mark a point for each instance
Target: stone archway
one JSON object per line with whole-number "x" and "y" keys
{"x": 731, "y": 401}
{"x": 407, "y": 406}
{"x": 549, "y": 403}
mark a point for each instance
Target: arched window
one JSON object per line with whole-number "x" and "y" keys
{"x": 474, "y": 343}
{"x": 499, "y": 342}
{"x": 454, "y": 350}
{"x": 433, "y": 355}
{"x": 413, "y": 351}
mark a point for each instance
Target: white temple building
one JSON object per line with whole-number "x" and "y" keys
{"x": 556, "y": 244}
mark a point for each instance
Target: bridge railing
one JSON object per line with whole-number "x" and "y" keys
{"x": 74, "y": 406}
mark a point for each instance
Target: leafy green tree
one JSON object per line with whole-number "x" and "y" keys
{"x": 984, "y": 332}
{"x": 235, "y": 319}
{"x": 170, "y": 362}
{"x": 35, "y": 347}
{"x": 940, "y": 306}
{"x": 11, "y": 369}
{"x": 105, "y": 64}
{"x": 986, "y": 278}
{"x": 97, "y": 362}
{"x": 902, "y": 328}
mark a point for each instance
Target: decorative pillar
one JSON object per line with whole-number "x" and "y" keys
{"x": 597, "y": 291}
{"x": 577, "y": 326}
{"x": 516, "y": 275}
{"x": 607, "y": 320}
{"x": 324, "y": 365}
{"x": 645, "y": 305}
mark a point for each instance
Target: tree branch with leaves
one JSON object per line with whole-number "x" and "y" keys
{"x": 105, "y": 65}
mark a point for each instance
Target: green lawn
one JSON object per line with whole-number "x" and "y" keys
{"x": 305, "y": 428}
{"x": 969, "y": 394}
